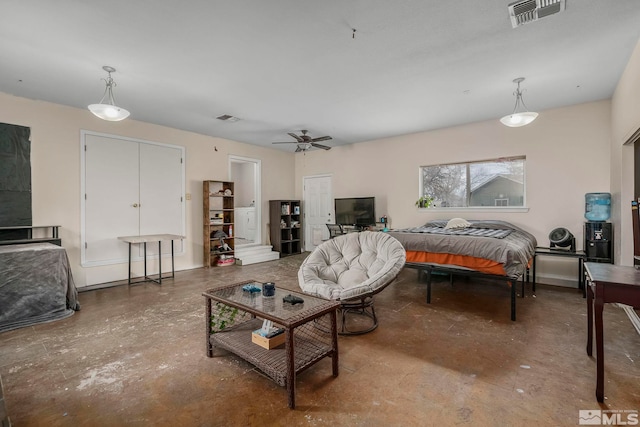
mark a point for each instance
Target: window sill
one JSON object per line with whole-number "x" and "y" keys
{"x": 476, "y": 209}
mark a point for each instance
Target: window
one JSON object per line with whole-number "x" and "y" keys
{"x": 496, "y": 183}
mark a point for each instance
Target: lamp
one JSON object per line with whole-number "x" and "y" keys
{"x": 520, "y": 116}
{"x": 109, "y": 111}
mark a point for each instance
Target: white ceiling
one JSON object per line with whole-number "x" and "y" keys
{"x": 286, "y": 65}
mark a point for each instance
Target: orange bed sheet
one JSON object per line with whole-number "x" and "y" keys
{"x": 479, "y": 264}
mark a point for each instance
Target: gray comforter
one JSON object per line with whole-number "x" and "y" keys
{"x": 36, "y": 285}
{"x": 512, "y": 248}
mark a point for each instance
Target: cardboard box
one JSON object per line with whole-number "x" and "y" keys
{"x": 265, "y": 342}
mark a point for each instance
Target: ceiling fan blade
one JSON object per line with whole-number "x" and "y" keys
{"x": 324, "y": 147}
{"x": 285, "y": 142}
{"x": 297, "y": 138}
{"x": 322, "y": 138}
{"x": 299, "y": 150}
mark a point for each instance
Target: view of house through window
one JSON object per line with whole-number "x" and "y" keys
{"x": 497, "y": 182}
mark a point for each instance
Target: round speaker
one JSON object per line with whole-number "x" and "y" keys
{"x": 561, "y": 237}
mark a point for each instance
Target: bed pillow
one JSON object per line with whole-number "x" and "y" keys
{"x": 457, "y": 223}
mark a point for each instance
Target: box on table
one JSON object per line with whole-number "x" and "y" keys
{"x": 265, "y": 342}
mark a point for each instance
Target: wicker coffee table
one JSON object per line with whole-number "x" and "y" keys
{"x": 232, "y": 314}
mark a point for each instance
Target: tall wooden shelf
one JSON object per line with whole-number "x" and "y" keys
{"x": 285, "y": 226}
{"x": 217, "y": 203}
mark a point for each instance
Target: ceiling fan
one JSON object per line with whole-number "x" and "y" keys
{"x": 305, "y": 142}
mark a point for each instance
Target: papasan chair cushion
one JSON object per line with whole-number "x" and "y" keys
{"x": 352, "y": 267}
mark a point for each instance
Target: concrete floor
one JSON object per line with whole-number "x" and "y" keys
{"x": 135, "y": 356}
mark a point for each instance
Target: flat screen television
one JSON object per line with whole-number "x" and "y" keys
{"x": 357, "y": 211}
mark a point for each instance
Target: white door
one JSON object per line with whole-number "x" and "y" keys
{"x": 318, "y": 209}
{"x": 130, "y": 187}
{"x": 160, "y": 194}
{"x": 111, "y": 197}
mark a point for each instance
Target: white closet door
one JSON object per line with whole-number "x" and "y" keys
{"x": 111, "y": 197}
{"x": 161, "y": 187}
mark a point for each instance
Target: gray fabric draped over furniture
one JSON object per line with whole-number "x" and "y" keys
{"x": 36, "y": 285}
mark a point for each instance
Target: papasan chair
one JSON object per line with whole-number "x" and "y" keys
{"x": 352, "y": 268}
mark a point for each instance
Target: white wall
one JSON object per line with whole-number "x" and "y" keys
{"x": 243, "y": 183}
{"x": 55, "y": 161}
{"x": 567, "y": 151}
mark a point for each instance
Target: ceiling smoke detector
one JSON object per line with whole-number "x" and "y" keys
{"x": 525, "y": 11}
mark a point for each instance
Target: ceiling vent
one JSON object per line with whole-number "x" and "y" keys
{"x": 228, "y": 118}
{"x": 525, "y": 11}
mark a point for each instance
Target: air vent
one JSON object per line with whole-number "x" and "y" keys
{"x": 228, "y": 118}
{"x": 523, "y": 12}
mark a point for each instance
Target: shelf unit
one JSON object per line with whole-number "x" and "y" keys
{"x": 285, "y": 226}
{"x": 218, "y": 215}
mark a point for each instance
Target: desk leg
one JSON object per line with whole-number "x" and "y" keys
{"x": 581, "y": 283}
{"x": 598, "y": 306}
{"x": 589, "y": 321}
{"x": 533, "y": 284}
{"x": 160, "y": 262}
{"x": 145, "y": 260}
{"x": 291, "y": 369}
{"x": 173, "y": 271}
{"x": 129, "y": 282}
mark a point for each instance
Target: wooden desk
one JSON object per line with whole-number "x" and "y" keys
{"x": 151, "y": 238}
{"x": 607, "y": 283}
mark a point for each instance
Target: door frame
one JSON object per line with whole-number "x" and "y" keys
{"x": 257, "y": 189}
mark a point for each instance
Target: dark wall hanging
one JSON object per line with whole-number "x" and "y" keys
{"x": 15, "y": 179}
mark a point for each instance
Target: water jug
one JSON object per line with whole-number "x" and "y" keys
{"x": 597, "y": 206}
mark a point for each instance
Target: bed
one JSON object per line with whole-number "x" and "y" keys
{"x": 486, "y": 248}
{"x": 36, "y": 285}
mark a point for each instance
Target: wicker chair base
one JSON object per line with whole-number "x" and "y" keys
{"x": 363, "y": 308}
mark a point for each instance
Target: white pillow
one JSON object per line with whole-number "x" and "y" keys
{"x": 457, "y": 223}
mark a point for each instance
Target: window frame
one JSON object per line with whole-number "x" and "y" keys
{"x": 467, "y": 164}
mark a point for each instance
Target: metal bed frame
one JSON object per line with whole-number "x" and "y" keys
{"x": 428, "y": 268}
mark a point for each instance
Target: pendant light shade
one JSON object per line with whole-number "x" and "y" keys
{"x": 109, "y": 110}
{"x": 520, "y": 116}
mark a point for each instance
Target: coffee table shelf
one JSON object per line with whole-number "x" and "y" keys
{"x": 310, "y": 331}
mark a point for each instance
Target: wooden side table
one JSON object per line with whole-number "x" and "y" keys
{"x": 607, "y": 283}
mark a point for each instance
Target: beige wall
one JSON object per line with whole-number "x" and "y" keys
{"x": 625, "y": 113}
{"x": 55, "y": 162}
{"x": 567, "y": 151}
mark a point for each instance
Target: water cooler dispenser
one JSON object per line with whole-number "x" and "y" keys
{"x": 598, "y": 233}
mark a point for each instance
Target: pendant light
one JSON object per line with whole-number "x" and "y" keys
{"x": 109, "y": 111}
{"x": 521, "y": 115}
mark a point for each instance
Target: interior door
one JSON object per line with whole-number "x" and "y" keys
{"x": 111, "y": 197}
{"x": 161, "y": 199}
{"x": 129, "y": 187}
{"x": 318, "y": 209}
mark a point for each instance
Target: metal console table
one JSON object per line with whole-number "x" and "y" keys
{"x": 580, "y": 255}
{"x": 151, "y": 238}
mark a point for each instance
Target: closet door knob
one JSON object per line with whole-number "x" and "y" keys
{"x": 135, "y": 205}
